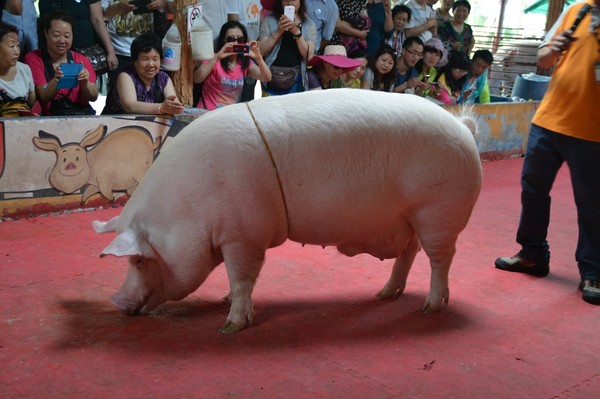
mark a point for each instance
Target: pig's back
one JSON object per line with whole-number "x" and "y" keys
{"x": 354, "y": 160}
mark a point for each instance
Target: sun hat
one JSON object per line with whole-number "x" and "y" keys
{"x": 335, "y": 55}
{"x": 437, "y": 44}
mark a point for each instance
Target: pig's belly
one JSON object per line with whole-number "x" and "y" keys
{"x": 377, "y": 228}
{"x": 385, "y": 240}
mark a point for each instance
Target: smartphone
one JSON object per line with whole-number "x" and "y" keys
{"x": 241, "y": 48}
{"x": 289, "y": 12}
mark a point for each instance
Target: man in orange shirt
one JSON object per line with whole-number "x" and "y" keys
{"x": 565, "y": 128}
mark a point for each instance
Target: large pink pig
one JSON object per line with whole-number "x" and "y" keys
{"x": 367, "y": 172}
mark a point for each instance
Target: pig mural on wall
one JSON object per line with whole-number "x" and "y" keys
{"x": 116, "y": 162}
{"x": 364, "y": 171}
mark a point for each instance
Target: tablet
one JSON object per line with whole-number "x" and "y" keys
{"x": 69, "y": 81}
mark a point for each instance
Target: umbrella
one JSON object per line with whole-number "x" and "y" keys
{"x": 541, "y": 6}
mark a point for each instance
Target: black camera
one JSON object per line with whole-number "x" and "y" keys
{"x": 241, "y": 48}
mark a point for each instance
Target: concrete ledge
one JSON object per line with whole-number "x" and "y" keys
{"x": 53, "y": 164}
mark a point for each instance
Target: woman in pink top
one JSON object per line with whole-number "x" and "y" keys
{"x": 223, "y": 76}
{"x": 46, "y": 66}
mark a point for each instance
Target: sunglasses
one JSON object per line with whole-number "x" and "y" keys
{"x": 231, "y": 39}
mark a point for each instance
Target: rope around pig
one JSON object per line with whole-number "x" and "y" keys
{"x": 264, "y": 140}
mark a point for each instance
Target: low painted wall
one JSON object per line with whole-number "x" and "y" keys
{"x": 53, "y": 164}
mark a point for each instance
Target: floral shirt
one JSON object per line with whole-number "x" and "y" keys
{"x": 448, "y": 36}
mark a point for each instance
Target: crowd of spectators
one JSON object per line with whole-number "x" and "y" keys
{"x": 405, "y": 46}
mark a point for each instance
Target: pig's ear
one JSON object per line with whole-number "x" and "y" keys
{"x": 126, "y": 244}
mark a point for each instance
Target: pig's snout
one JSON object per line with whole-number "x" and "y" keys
{"x": 131, "y": 307}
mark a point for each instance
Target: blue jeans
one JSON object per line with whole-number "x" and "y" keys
{"x": 546, "y": 152}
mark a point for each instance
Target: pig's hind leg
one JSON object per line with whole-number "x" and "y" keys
{"x": 440, "y": 253}
{"x": 243, "y": 265}
{"x": 397, "y": 282}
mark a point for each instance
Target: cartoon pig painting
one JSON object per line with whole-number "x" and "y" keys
{"x": 367, "y": 172}
{"x": 116, "y": 162}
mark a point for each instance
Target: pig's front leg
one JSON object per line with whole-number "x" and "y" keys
{"x": 243, "y": 265}
{"x": 397, "y": 282}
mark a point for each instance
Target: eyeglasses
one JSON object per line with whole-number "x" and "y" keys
{"x": 414, "y": 52}
{"x": 231, "y": 39}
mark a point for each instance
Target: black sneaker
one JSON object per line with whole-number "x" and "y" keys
{"x": 519, "y": 264}
{"x": 590, "y": 291}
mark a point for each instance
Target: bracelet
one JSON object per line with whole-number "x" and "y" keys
{"x": 298, "y": 36}
{"x": 158, "y": 108}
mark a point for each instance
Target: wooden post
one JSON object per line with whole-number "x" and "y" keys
{"x": 498, "y": 37}
{"x": 183, "y": 80}
{"x": 555, "y": 8}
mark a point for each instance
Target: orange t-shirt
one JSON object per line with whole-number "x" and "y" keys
{"x": 571, "y": 105}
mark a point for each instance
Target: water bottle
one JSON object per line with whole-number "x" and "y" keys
{"x": 171, "y": 49}
{"x": 202, "y": 41}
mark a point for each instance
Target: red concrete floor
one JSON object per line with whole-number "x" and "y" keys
{"x": 319, "y": 331}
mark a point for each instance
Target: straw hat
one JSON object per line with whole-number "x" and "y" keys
{"x": 335, "y": 55}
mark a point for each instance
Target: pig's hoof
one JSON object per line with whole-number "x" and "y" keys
{"x": 230, "y": 328}
{"x": 432, "y": 307}
{"x": 390, "y": 293}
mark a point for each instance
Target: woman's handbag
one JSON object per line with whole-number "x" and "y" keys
{"x": 97, "y": 57}
{"x": 14, "y": 108}
{"x": 10, "y": 107}
{"x": 283, "y": 78}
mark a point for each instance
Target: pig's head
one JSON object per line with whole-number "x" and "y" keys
{"x": 144, "y": 288}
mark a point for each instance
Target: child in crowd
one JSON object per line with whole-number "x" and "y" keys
{"x": 223, "y": 76}
{"x": 381, "y": 73}
{"x": 400, "y": 17}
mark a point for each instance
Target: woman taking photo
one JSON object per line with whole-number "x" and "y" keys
{"x": 223, "y": 76}
{"x": 288, "y": 45}
{"x": 46, "y": 68}
{"x": 17, "y": 91}
{"x": 142, "y": 88}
